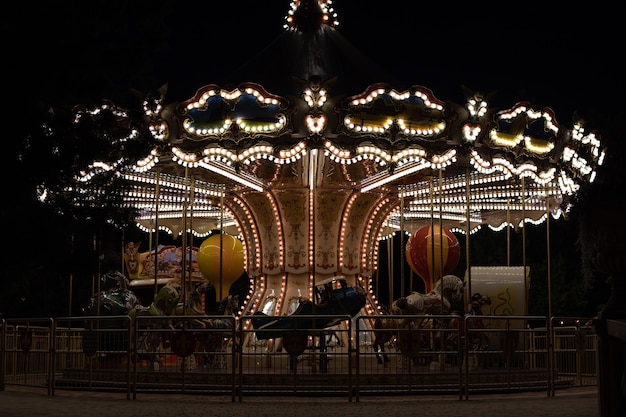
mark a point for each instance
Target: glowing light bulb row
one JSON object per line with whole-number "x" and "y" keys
{"x": 258, "y": 127}
{"x": 370, "y": 242}
{"x": 206, "y": 130}
{"x": 254, "y": 153}
{"x": 202, "y": 101}
{"x": 538, "y": 146}
{"x": 174, "y": 182}
{"x": 462, "y": 231}
{"x": 147, "y": 163}
{"x": 293, "y": 152}
{"x": 423, "y": 130}
{"x": 429, "y": 129}
{"x": 183, "y": 158}
{"x": 279, "y": 229}
{"x": 373, "y": 95}
{"x": 505, "y": 139}
{"x": 255, "y": 235}
{"x": 344, "y": 223}
{"x": 423, "y": 188}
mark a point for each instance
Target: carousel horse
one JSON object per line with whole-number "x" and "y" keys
{"x": 439, "y": 301}
{"x": 114, "y": 300}
{"x": 193, "y": 306}
{"x": 213, "y": 344}
{"x": 150, "y": 340}
{"x": 449, "y": 289}
{"x": 477, "y": 340}
{"x": 334, "y": 301}
{"x": 385, "y": 331}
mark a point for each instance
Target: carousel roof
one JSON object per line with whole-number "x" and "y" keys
{"x": 312, "y": 112}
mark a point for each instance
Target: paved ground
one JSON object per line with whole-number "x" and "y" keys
{"x": 571, "y": 402}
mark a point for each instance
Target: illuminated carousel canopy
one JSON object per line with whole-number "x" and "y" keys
{"x": 262, "y": 156}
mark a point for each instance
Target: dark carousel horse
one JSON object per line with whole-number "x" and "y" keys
{"x": 149, "y": 340}
{"x": 212, "y": 345}
{"x": 189, "y": 315}
{"x": 109, "y": 333}
{"x": 293, "y": 330}
{"x": 334, "y": 301}
{"x": 439, "y": 301}
{"x": 388, "y": 331}
{"x": 477, "y": 340}
{"x": 114, "y": 299}
{"x": 385, "y": 332}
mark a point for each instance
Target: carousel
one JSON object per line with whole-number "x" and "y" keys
{"x": 311, "y": 156}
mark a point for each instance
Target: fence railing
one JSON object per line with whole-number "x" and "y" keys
{"x": 292, "y": 354}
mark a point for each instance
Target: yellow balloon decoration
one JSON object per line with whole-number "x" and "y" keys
{"x": 232, "y": 261}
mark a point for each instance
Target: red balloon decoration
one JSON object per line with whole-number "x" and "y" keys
{"x": 433, "y": 254}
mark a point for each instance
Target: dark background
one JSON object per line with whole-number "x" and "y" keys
{"x": 68, "y": 52}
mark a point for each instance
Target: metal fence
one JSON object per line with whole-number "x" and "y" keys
{"x": 356, "y": 356}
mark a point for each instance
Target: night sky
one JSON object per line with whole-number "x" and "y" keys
{"x": 564, "y": 59}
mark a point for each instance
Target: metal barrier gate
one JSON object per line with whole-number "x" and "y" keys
{"x": 355, "y": 356}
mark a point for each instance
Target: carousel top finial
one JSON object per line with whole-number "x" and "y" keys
{"x": 309, "y": 15}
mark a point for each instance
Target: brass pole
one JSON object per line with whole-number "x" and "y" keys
{"x": 190, "y": 242}
{"x": 524, "y": 225}
{"x": 508, "y": 232}
{"x": 183, "y": 261}
{"x": 156, "y": 232}
{"x": 71, "y": 274}
{"x": 390, "y": 272}
{"x": 440, "y": 235}
{"x": 222, "y": 241}
{"x": 549, "y": 324}
{"x": 430, "y": 239}
{"x": 467, "y": 233}
{"x": 402, "y": 251}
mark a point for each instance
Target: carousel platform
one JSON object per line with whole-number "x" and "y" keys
{"x": 225, "y": 381}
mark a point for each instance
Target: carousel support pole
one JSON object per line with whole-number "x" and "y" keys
{"x": 71, "y": 295}
{"x": 189, "y": 256}
{"x": 508, "y": 232}
{"x": 402, "y": 251}
{"x": 221, "y": 241}
{"x": 156, "y": 232}
{"x": 551, "y": 388}
{"x": 468, "y": 208}
{"x": 123, "y": 269}
{"x": 312, "y": 179}
{"x": 524, "y": 224}
{"x": 390, "y": 272}
{"x": 183, "y": 255}
{"x": 441, "y": 358}
{"x": 440, "y": 275}
{"x": 430, "y": 240}
{"x": 95, "y": 249}
{"x": 464, "y": 370}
